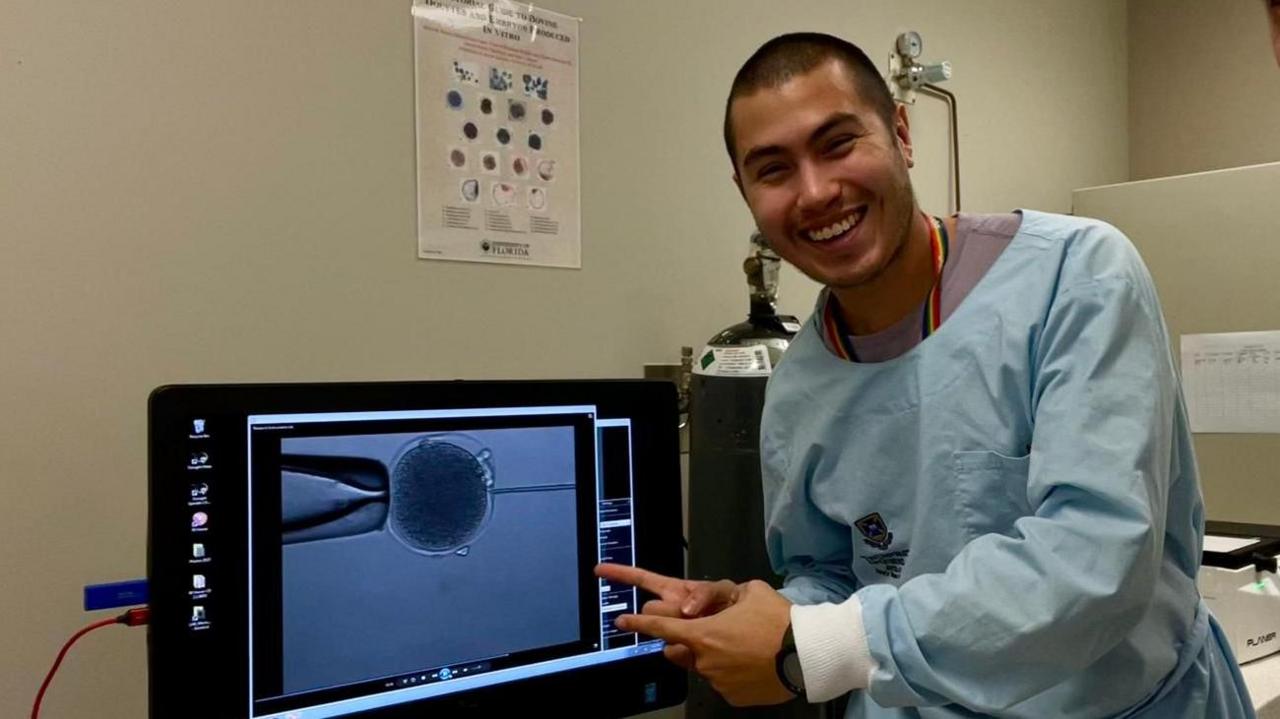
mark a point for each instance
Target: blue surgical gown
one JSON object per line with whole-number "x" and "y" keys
{"x": 1014, "y": 501}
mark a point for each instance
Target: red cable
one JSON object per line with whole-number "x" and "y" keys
{"x": 133, "y": 618}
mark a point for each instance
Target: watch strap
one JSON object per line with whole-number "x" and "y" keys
{"x": 788, "y": 651}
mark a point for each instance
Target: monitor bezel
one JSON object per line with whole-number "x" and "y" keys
{"x": 621, "y": 688}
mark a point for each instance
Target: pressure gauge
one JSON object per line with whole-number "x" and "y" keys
{"x": 910, "y": 44}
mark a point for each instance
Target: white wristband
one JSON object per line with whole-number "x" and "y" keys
{"x": 832, "y": 645}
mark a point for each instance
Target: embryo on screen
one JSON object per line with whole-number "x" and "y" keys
{"x": 405, "y": 550}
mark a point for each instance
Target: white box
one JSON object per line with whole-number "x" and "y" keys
{"x": 1240, "y": 586}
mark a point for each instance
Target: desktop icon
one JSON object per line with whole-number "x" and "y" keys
{"x": 197, "y": 426}
{"x": 197, "y": 550}
{"x": 198, "y": 581}
{"x": 199, "y": 519}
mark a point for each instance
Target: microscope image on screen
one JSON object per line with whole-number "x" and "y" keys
{"x": 436, "y": 495}
{"x": 403, "y": 551}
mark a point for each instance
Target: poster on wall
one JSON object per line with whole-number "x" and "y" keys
{"x": 497, "y": 130}
{"x": 1232, "y": 381}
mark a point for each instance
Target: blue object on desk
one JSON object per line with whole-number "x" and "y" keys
{"x": 116, "y": 594}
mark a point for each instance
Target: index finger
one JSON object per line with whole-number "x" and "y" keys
{"x": 661, "y": 585}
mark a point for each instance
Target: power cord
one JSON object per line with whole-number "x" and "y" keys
{"x": 136, "y": 617}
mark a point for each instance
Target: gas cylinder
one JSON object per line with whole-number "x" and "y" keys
{"x": 726, "y": 508}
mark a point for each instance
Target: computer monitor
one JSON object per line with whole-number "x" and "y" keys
{"x": 407, "y": 549}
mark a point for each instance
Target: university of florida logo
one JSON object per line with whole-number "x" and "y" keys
{"x": 875, "y": 532}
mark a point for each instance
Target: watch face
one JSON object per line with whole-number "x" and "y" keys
{"x": 791, "y": 667}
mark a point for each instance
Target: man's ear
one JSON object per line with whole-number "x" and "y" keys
{"x": 902, "y": 133}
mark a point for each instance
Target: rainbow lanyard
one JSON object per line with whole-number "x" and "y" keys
{"x": 939, "y": 245}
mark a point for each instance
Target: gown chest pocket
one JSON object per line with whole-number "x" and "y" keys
{"x": 991, "y": 491}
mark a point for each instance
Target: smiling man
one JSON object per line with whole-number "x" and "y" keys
{"x": 1273, "y": 11}
{"x": 979, "y": 481}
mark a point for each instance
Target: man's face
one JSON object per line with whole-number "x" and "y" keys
{"x": 1273, "y": 9}
{"x": 825, "y": 179}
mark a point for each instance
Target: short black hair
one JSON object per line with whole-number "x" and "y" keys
{"x": 787, "y": 56}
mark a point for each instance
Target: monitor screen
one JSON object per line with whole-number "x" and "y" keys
{"x": 376, "y": 549}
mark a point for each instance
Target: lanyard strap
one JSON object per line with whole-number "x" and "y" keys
{"x": 939, "y": 247}
{"x": 837, "y": 336}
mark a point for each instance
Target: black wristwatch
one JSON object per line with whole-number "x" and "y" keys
{"x": 788, "y": 665}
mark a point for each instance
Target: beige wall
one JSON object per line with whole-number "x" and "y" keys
{"x": 1204, "y": 87}
{"x": 225, "y": 191}
{"x": 1221, "y": 286}
{"x": 1205, "y": 95}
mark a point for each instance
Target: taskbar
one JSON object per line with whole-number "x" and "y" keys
{"x": 451, "y": 679}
